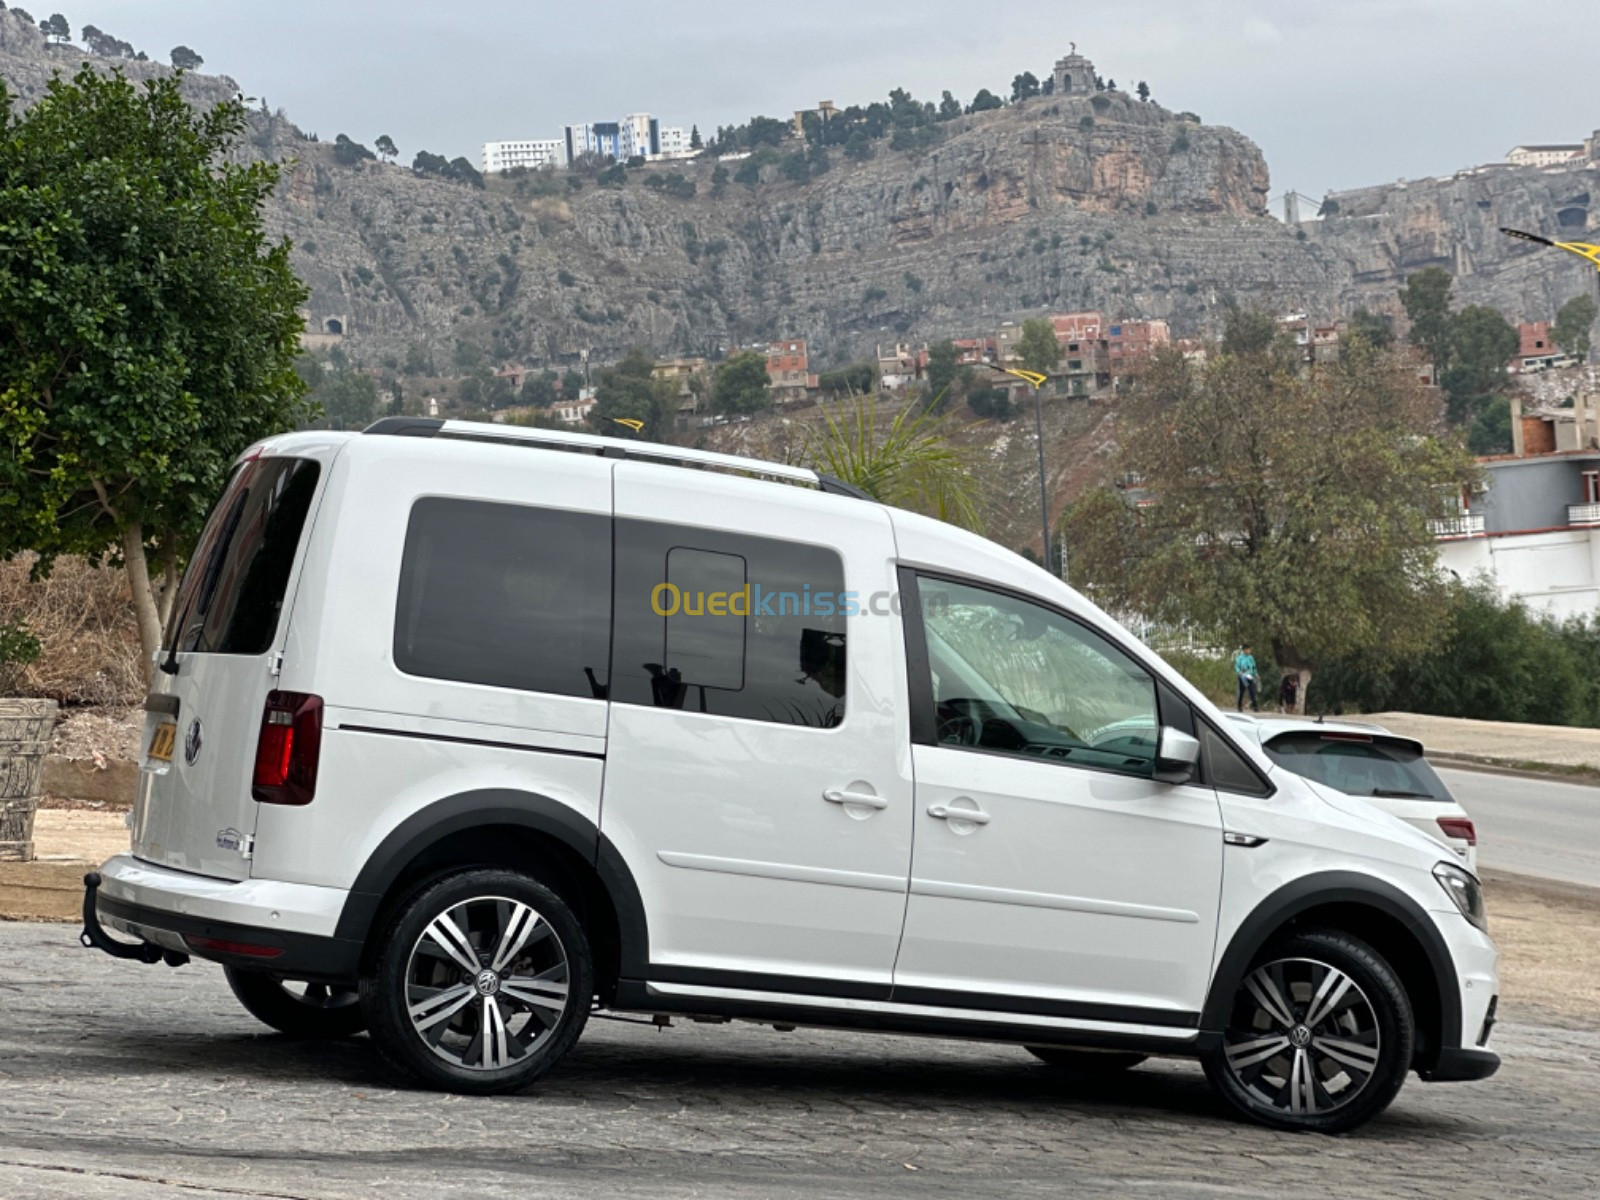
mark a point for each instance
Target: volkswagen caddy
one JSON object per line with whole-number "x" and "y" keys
{"x": 463, "y": 732}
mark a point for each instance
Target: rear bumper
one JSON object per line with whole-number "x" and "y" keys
{"x": 1456, "y": 1065}
{"x": 194, "y": 915}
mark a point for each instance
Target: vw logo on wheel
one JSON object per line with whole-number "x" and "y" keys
{"x": 488, "y": 983}
{"x": 192, "y": 742}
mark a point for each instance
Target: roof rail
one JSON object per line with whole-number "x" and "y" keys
{"x": 588, "y": 443}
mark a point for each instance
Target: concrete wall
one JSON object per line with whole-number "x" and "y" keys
{"x": 1555, "y": 573}
{"x": 1532, "y": 493}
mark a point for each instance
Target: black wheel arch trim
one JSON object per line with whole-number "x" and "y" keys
{"x": 1314, "y": 891}
{"x": 486, "y": 808}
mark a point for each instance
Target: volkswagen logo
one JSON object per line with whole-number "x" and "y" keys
{"x": 1300, "y": 1037}
{"x": 488, "y": 983}
{"x": 192, "y": 742}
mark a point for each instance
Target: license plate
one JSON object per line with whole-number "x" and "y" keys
{"x": 162, "y": 742}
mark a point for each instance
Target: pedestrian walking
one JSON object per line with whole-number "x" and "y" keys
{"x": 1244, "y": 666}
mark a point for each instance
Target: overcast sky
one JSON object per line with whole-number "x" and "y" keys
{"x": 1338, "y": 93}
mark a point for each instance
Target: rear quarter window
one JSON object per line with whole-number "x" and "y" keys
{"x": 507, "y": 596}
{"x": 233, "y": 593}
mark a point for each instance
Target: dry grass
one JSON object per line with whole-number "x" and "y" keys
{"x": 83, "y": 617}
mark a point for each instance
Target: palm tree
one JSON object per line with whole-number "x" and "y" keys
{"x": 909, "y": 465}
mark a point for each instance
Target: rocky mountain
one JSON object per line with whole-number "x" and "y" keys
{"x": 1056, "y": 203}
{"x": 1376, "y": 236}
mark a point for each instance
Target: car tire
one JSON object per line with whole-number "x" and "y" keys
{"x": 1319, "y": 1036}
{"x": 308, "y": 1010}
{"x": 481, "y": 983}
{"x": 1087, "y": 1062}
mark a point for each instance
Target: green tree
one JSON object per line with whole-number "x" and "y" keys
{"x": 572, "y": 383}
{"x": 1482, "y": 344}
{"x": 797, "y": 166}
{"x": 386, "y": 148}
{"x": 949, "y": 107}
{"x": 1024, "y": 86}
{"x": 1426, "y": 297}
{"x": 859, "y": 147}
{"x": 540, "y": 390}
{"x": 418, "y": 360}
{"x": 857, "y": 379}
{"x": 349, "y": 153}
{"x": 627, "y": 391}
{"x": 462, "y": 171}
{"x": 1372, "y": 328}
{"x": 909, "y": 463}
{"x": 56, "y": 27}
{"x": 985, "y": 101}
{"x": 149, "y": 326}
{"x": 1037, "y": 348}
{"x": 468, "y": 355}
{"x": 1144, "y": 91}
{"x": 696, "y": 142}
{"x": 1491, "y": 429}
{"x": 186, "y": 59}
{"x": 1288, "y": 509}
{"x": 1574, "y": 321}
{"x": 1249, "y": 331}
{"x": 348, "y": 399}
{"x": 739, "y": 385}
{"x": 945, "y": 375}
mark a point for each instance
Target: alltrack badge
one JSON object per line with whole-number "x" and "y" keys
{"x": 192, "y": 742}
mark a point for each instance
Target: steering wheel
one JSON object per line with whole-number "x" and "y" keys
{"x": 955, "y": 728}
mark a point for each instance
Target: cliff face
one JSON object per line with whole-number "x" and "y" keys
{"x": 1380, "y": 235}
{"x": 1052, "y": 204}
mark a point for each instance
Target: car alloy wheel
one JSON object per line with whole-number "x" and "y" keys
{"x": 1304, "y": 1039}
{"x": 487, "y": 983}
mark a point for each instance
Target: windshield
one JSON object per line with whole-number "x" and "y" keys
{"x": 1359, "y": 765}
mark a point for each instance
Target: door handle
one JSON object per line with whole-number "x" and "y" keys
{"x": 944, "y": 812}
{"x": 858, "y": 799}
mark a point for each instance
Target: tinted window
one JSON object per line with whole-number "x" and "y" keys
{"x": 234, "y": 589}
{"x": 1364, "y": 767}
{"x": 1226, "y": 768}
{"x": 1013, "y": 677}
{"x": 729, "y": 625}
{"x": 507, "y": 596}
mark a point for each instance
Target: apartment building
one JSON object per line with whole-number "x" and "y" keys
{"x": 1544, "y": 156}
{"x": 532, "y": 155}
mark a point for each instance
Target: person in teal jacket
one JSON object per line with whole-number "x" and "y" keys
{"x": 1244, "y": 666}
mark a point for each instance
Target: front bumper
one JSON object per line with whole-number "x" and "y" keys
{"x": 1456, "y": 1065}
{"x": 171, "y": 915}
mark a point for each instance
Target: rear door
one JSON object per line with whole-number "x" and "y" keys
{"x": 194, "y": 810}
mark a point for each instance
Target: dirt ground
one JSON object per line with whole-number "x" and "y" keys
{"x": 1549, "y": 939}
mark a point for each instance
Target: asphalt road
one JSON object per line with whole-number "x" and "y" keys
{"x": 119, "y": 1080}
{"x": 1532, "y": 826}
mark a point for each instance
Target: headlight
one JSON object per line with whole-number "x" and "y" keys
{"x": 1465, "y": 890}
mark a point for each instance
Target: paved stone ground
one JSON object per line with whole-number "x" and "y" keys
{"x": 143, "y": 1082}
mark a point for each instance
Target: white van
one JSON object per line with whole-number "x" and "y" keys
{"x": 464, "y": 731}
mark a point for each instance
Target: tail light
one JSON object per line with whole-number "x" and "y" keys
{"x": 1459, "y": 828}
{"x": 287, "y": 749}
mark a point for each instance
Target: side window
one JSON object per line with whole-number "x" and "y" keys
{"x": 506, "y": 596}
{"x": 729, "y": 625}
{"x": 1012, "y": 677}
{"x": 1226, "y": 769}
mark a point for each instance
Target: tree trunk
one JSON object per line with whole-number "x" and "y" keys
{"x": 144, "y": 599}
{"x": 1305, "y": 690}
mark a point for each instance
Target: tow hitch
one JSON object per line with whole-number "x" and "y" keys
{"x": 96, "y": 938}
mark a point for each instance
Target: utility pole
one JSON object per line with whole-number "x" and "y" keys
{"x": 1036, "y": 381}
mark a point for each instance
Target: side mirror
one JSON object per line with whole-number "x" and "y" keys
{"x": 1177, "y": 756}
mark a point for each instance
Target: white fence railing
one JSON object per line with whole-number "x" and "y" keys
{"x": 1464, "y": 526}
{"x": 1583, "y": 514}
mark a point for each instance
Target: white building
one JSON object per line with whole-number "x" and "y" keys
{"x": 505, "y": 156}
{"x": 675, "y": 142}
{"x": 1534, "y": 529}
{"x": 1543, "y": 156}
{"x": 641, "y": 136}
